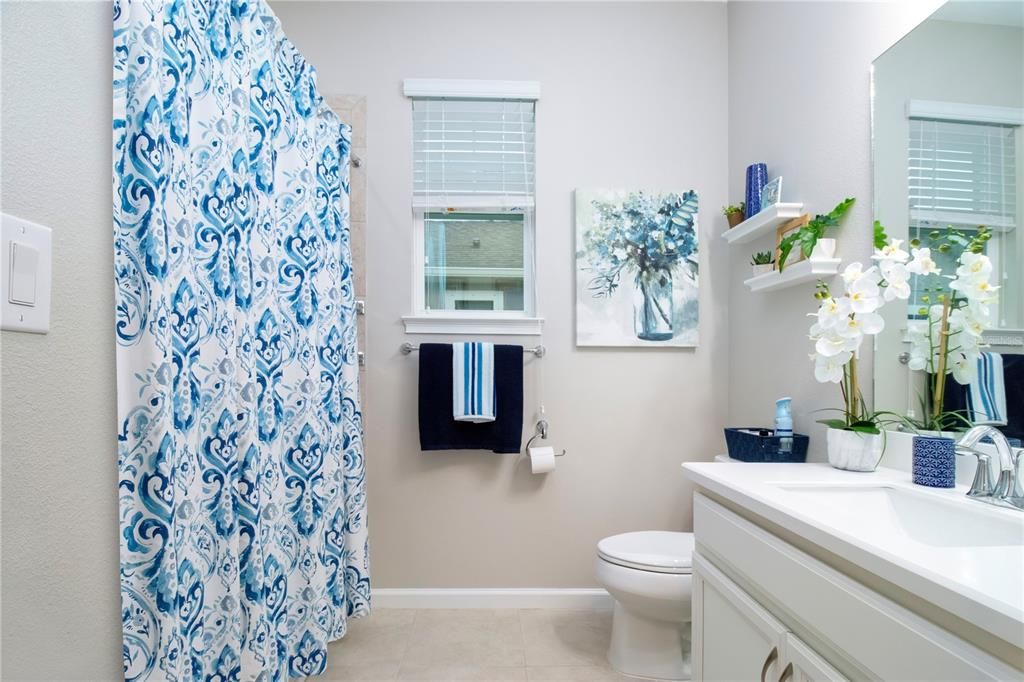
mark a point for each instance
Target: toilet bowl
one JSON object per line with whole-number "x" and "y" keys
{"x": 648, "y": 574}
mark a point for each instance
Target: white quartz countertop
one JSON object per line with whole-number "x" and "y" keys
{"x": 962, "y": 555}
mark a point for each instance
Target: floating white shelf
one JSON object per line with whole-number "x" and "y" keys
{"x": 797, "y": 273}
{"x": 762, "y": 223}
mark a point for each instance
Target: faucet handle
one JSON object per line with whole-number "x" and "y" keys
{"x": 982, "y": 485}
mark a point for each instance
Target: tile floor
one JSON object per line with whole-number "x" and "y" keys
{"x": 474, "y": 644}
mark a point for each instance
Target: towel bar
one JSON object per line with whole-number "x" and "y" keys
{"x": 407, "y": 348}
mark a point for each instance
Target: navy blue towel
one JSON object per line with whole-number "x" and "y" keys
{"x": 438, "y": 428}
{"x": 1013, "y": 379}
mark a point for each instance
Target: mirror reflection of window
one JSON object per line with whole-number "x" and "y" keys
{"x": 962, "y": 175}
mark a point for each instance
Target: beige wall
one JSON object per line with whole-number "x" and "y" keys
{"x": 800, "y": 103}
{"x": 61, "y": 605}
{"x": 631, "y": 96}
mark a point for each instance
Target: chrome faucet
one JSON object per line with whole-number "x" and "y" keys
{"x": 1006, "y": 492}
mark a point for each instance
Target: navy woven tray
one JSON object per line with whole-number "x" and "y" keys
{"x": 750, "y": 447}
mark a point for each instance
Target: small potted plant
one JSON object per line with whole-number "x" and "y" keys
{"x": 762, "y": 262}
{"x": 734, "y": 214}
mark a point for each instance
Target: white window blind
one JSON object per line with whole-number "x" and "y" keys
{"x": 962, "y": 174}
{"x": 473, "y": 152}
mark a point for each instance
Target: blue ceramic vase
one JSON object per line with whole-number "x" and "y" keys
{"x": 934, "y": 461}
{"x": 757, "y": 178}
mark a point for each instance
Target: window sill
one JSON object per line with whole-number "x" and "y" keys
{"x": 483, "y": 325}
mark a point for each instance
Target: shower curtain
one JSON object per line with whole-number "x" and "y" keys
{"x": 241, "y": 480}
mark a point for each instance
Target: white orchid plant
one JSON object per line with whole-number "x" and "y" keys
{"x": 948, "y": 340}
{"x": 842, "y": 322}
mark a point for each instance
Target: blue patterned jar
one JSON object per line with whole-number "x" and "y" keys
{"x": 934, "y": 460}
{"x": 757, "y": 178}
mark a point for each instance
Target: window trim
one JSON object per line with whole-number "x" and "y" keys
{"x": 518, "y": 323}
{"x": 964, "y": 113}
{"x": 470, "y": 89}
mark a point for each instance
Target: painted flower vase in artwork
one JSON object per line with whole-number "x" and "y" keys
{"x": 854, "y": 451}
{"x": 934, "y": 461}
{"x": 652, "y": 305}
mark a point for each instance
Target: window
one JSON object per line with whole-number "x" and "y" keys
{"x": 474, "y": 261}
{"x": 473, "y": 205}
{"x": 962, "y": 174}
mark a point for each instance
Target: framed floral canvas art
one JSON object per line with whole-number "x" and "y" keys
{"x": 636, "y": 268}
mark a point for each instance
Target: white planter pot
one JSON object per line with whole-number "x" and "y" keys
{"x": 824, "y": 249}
{"x": 762, "y": 269}
{"x": 854, "y": 451}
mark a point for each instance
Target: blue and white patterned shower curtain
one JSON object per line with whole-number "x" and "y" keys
{"x": 242, "y": 498}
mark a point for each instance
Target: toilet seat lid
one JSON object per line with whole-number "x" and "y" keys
{"x": 650, "y": 550}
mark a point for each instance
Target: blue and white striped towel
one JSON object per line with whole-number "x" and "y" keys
{"x": 986, "y": 397}
{"x": 473, "y": 382}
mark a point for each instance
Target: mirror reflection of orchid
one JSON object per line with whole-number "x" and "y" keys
{"x": 648, "y": 239}
{"x": 955, "y": 314}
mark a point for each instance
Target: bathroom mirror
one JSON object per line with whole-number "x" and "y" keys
{"x": 948, "y": 146}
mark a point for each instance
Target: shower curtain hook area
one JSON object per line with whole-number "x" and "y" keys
{"x": 542, "y": 433}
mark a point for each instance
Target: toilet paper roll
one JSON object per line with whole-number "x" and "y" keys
{"x": 542, "y": 460}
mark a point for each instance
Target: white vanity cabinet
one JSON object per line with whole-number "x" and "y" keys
{"x": 735, "y": 638}
{"x": 759, "y": 603}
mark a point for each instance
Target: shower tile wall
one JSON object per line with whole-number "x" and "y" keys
{"x": 352, "y": 110}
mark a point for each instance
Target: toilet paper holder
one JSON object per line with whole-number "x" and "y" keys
{"x": 542, "y": 433}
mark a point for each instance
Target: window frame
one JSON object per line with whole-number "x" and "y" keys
{"x": 476, "y": 322}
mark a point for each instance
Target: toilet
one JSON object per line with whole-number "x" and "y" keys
{"x": 648, "y": 574}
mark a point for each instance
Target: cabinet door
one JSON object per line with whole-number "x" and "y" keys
{"x": 802, "y": 664}
{"x": 734, "y": 637}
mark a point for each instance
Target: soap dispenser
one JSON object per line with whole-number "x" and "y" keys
{"x": 784, "y": 424}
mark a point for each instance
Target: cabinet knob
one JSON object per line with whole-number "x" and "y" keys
{"x": 772, "y": 655}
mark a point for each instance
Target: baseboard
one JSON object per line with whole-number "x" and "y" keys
{"x": 490, "y": 598}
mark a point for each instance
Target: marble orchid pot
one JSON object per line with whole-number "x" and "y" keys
{"x": 763, "y": 269}
{"x": 934, "y": 461}
{"x": 854, "y": 451}
{"x": 652, "y": 305}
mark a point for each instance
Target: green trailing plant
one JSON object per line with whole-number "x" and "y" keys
{"x": 726, "y": 210}
{"x": 807, "y": 236}
{"x": 762, "y": 258}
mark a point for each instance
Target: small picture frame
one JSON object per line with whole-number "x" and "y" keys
{"x": 796, "y": 255}
{"x": 771, "y": 193}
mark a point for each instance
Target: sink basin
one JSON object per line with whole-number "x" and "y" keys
{"x": 909, "y": 515}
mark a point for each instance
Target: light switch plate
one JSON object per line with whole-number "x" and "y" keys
{"x": 25, "y": 270}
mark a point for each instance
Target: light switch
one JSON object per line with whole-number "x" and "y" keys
{"x": 24, "y": 267}
{"x": 26, "y": 263}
